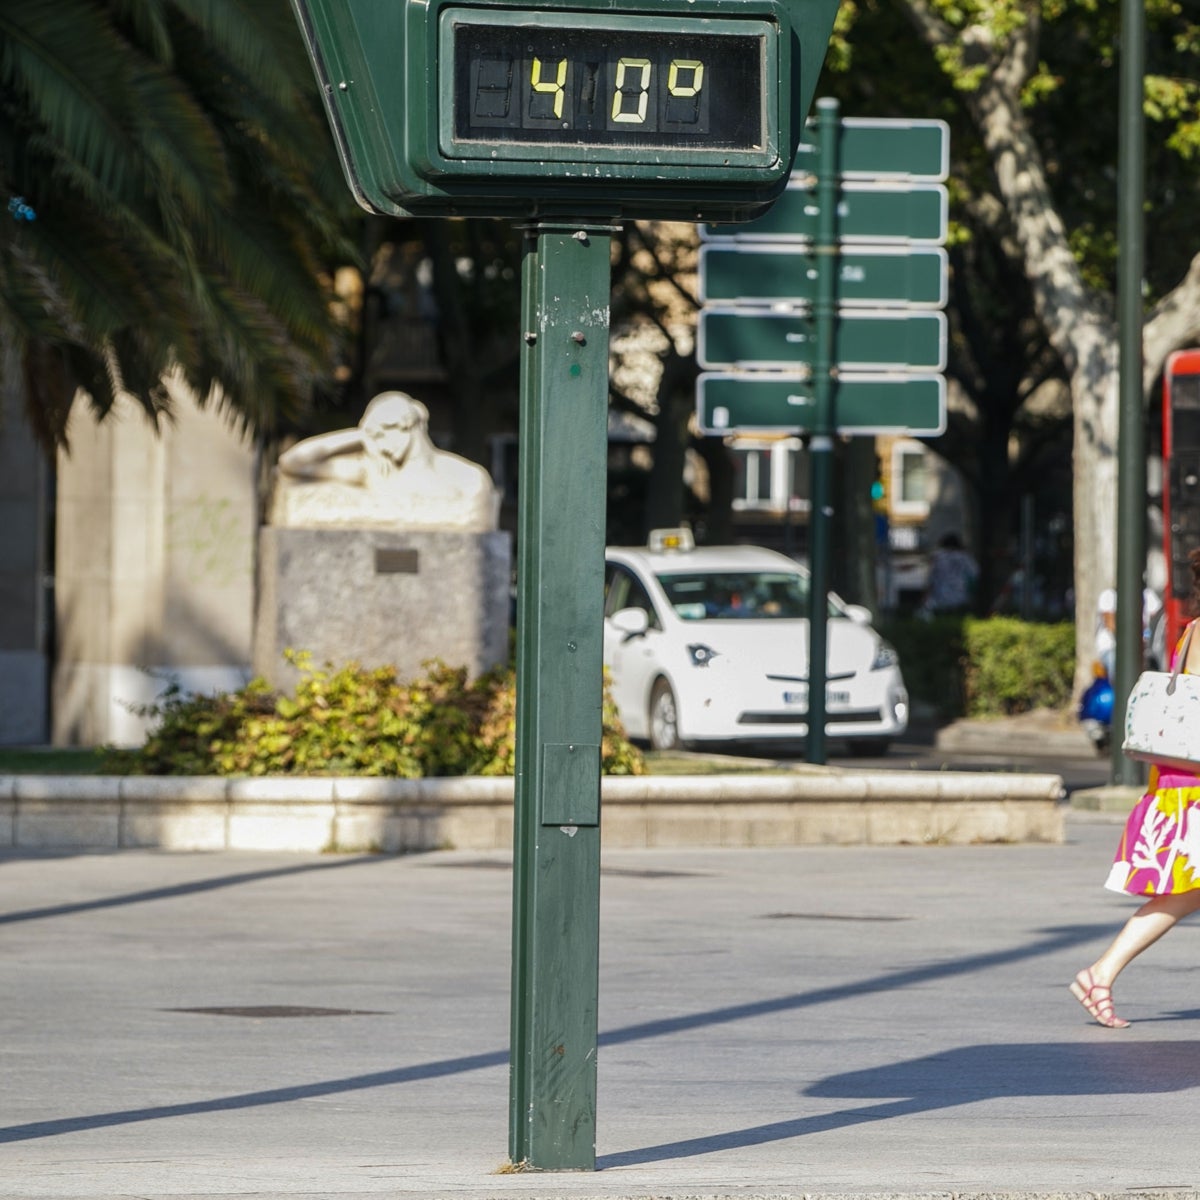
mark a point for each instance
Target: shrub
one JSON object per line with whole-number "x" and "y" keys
{"x": 1014, "y": 666}
{"x": 350, "y": 721}
{"x": 997, "y": 666}
{"x": 932, "y": 654}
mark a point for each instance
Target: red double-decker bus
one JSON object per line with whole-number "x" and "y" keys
{"x": 1181, "y": 493}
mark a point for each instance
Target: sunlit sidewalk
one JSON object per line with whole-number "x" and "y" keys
{"x": 782, "y": 1022}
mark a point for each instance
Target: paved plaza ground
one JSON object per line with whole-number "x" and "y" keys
{"x": 775, "y": 1022}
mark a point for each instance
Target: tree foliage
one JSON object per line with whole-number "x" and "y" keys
{"x": 172, "y": 203}
{"x": 1030, "y": 88}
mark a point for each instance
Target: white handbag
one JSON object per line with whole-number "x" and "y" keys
{"x": 1162, "y": 716}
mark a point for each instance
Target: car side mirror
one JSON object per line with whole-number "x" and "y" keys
{"x": 858, "y": 614}
{"x": 632, "y": 622}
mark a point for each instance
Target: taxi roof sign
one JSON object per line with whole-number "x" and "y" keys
{"x": 670, "y": 539}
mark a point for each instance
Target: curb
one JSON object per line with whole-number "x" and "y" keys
{"x": 509, "y": 1192}
{"x": 826, "y": 807}
{"x": 1113, "y": 798}
{"x": 997, "y": 737}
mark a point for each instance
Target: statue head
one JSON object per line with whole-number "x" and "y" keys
{"x": 391, "y": 427}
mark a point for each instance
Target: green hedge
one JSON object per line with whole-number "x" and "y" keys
{"x": 355, "y": 721}
{"x": 998, "y": 666}
{"x": 350, "y": 721}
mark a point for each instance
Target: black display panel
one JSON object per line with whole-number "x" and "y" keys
{"x": 634, "y": 87}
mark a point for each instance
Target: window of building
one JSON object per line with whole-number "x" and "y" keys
{"x": 910, "y": 480}
{"x": 770, "y": 476}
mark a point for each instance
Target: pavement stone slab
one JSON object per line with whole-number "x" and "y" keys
{"x": 783, "y": 1022}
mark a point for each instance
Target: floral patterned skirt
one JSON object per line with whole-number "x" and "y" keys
{"x": 1159, "y": 852}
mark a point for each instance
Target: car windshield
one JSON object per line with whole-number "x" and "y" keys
{"x": 736, "y": 595}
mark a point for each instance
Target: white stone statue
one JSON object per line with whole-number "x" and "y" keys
{"x": 385, "y": 473}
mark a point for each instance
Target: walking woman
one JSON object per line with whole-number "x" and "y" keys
{"x": 1159, "y": 857}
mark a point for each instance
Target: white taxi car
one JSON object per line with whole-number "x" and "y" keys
{"x": 711, "y": 644}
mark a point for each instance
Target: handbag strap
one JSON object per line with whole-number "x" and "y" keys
{"x": 1183, "y": 653}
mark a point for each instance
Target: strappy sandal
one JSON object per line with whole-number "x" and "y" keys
{"x": 1097, "y": 999}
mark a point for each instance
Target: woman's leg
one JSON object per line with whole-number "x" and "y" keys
{"x": 1093, "y": 985}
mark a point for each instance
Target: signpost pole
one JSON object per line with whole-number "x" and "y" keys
{"x": 560, "y": 597}
{"x": 820, "y": 445}
{"x": 1131, "y": 414}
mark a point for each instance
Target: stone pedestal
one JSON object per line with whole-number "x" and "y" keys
{"x": 381, "y": 598}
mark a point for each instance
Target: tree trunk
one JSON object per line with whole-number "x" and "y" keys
{"x": 664, "y": 495}
{"x": 1175, "y": 322}
{"x": 1094, "y": 389}
{"x": 718, "y": 521}
{"x": 1076, "y": 319}
{"x": 460, "y": 352}
{"x": 853, "y": 571}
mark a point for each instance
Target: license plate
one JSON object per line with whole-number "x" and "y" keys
{"x": 830, "y": 697}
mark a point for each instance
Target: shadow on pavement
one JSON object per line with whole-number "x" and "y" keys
{"x": 1051, "y": 941}
{"x": 181, "y": 889}
{"x": 1058, "y": 938}
{"x": 963, "y": 1076}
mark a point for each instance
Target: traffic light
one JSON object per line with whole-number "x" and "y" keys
{"x": 878, "y": 488}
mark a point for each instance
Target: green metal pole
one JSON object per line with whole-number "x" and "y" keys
{"x": 820, "y": 445}
{"x": 1131, "y": 434}
{"x": 560, "y": 589}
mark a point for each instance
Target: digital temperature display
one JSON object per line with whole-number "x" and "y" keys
{"x": 551, "y": 83}
{"x": 608, "y": 110}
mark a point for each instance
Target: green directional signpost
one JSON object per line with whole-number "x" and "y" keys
{"x": 820, "y": 316}
{"x": 884, "y": 148}
{"x": 864, "y": 276}
{"x": 568, "y": 117}
{"x": 863, "y": 340}
{"x": 867, "y": 212}
{"x": 752, "y": 402}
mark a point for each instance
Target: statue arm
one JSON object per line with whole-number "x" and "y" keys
{"x": 326, "y": 456}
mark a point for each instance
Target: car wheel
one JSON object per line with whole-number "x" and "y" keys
{"x": 664, "y": 718}
{"x": 868, "y": 749}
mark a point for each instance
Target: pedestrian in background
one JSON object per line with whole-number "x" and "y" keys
{"x": 953, "y": 574}
{"x": 1106, "y": 625}
{"x": 1159, "y": 857}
